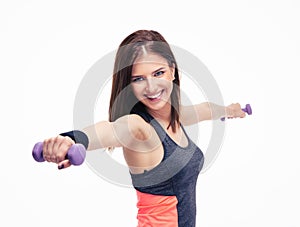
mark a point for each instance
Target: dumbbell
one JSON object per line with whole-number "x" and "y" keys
{"x": 247, "y": 110}
{"x": 76, "y": 154}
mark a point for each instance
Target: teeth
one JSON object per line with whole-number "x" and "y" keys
{"x": 154, "y": 96}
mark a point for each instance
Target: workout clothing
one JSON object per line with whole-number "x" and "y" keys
{"x": 167, "y": 193}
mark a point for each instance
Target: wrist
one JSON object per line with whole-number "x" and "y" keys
{"x": 217, "y": 111}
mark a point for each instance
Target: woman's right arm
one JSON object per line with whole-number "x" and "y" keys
{"x": 129, "y": 131}
{"x": 123, "y": 132}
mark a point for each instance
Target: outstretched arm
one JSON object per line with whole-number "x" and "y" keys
{"x": 209, "y": 111}
{"x": 129, "y": 131}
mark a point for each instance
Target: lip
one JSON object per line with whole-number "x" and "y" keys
{"x": 154, "y": 96}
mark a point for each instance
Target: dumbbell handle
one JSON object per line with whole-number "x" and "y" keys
{"x": 247, "y": 110}
{"x": 76, "y": 154}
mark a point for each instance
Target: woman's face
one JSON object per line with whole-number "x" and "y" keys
{"x": 151, "y": 81}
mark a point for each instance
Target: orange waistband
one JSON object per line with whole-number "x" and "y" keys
{"x": 156, "y": 210}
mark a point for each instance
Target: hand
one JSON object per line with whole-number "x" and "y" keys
{"x": 234, "y": 110}
{"x": 55, "y": 150}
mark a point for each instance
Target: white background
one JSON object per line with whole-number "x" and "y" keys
{"x": 252, "y": 49}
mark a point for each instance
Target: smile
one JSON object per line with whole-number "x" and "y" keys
{"x": 155, "y": 96}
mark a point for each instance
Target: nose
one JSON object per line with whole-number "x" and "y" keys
{"x": 150, "y": 87}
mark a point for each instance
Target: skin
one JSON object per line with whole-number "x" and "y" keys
{"x": 152, "y": 85}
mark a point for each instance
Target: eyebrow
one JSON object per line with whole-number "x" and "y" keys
{"x": 157, "y": 70}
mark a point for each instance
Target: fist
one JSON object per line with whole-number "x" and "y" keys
{"x": 234, "y": 110}
{"x": 55, "y": 150}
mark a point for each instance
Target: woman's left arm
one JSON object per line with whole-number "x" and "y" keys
{"x": 209, "y": 111}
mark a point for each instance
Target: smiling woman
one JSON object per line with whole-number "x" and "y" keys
{"x": 140, "y": 57}
{"x": 147, "y": 120}
{"x": 152, "y": 81}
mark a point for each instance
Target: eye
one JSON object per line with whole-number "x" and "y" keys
{"x": 137, "y": 79}
{"x": 159, "y": 73}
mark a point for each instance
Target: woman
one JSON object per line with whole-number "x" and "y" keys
{"x": 146, "y": 119}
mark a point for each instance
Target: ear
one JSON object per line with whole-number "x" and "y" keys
{"x": 173, "y": 71}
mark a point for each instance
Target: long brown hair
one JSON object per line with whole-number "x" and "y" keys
{"x": 122, "y": 100}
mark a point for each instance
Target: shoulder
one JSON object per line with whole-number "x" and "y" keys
{"x": 142, "y": 128}
{"x": 141, "y": 136}
{"x": 136, "y": 125}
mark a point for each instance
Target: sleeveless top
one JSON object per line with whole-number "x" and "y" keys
{"x": 167, "y": 193}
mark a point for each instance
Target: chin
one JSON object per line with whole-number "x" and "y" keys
{"x": 156, "y": 106}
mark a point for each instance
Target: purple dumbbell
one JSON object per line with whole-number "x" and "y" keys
{"x": 76, "y": 154}
{"x": 247, "y": 110}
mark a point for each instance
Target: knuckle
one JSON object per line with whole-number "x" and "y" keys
{"x": 60, "y": 157}
{"x": 50, "y": 141}
{"x": 46, "y": 157}
{"x": 53, "y": 158}
{"x": 59, "y": 138}
{"x": 68, "y": 140}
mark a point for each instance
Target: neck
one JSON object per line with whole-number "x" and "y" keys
{"x": 162, "y": 115}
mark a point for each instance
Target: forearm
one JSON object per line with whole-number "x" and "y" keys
{"x": 100, "y": 135}
{"x": 214, "y": 111}
{"x": 201, "y": 112}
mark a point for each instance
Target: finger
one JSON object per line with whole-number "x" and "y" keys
{"x": 50, "y": 149}
{"x": 243, "y": 114}
{"x": 55, "y": 149}
{"x": 47, "y": 149}
{"x": 63, "y": 148}
{"x": 64, "y": 164}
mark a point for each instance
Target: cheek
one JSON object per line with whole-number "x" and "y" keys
{"x": 168, "y": 84}
{"x": 137, "y": 90}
